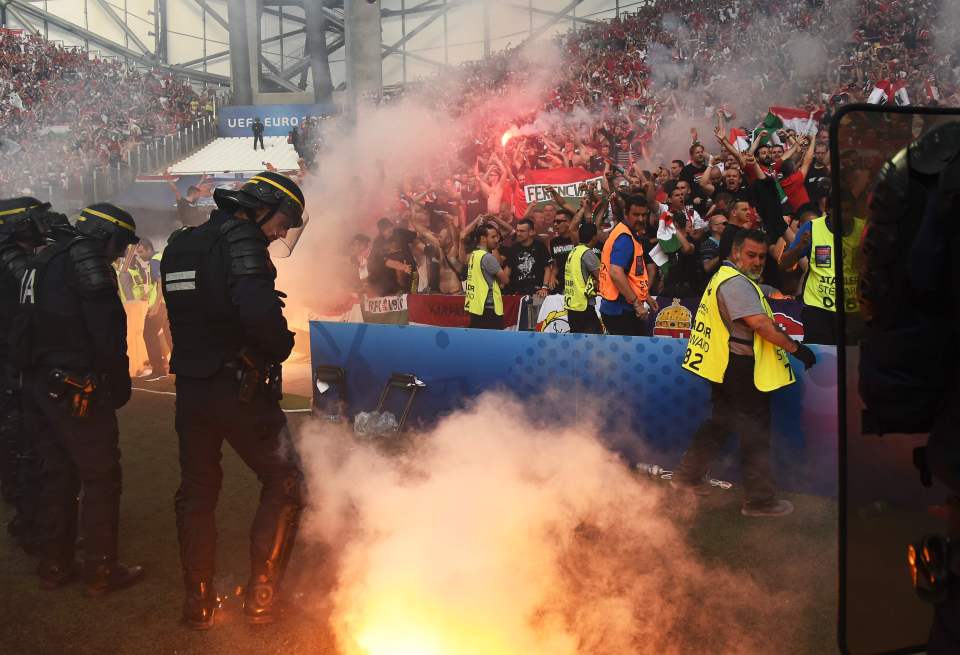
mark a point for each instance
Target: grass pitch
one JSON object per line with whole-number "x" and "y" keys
{"x": 797, "y": 553}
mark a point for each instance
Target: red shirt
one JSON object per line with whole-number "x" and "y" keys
{"x": 796, "y": 189}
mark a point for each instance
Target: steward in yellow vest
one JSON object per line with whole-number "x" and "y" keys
{"x": 815, "y": 241}
{"x": 581, "y": 276}
{"x": 156, "y": 327}
{"x": 136, "y": 287}
{"x": 484, "y": 300}
{"x": 737, "y": 346}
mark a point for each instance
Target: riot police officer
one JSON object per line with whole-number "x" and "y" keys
{"x": 22, "y": 224}
{"x": 70, "y": 343}
{"x": 229, "y": 338}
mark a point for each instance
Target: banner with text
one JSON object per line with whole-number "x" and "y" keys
{"x": 567, "y": 181}
{"x": 278, "y": 120}
{"x": 674, "y": 318}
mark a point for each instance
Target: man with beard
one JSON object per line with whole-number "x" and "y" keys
{"x": 528, "y": 263}
{"x": 818, "y": 177}
{"x": 739, "y": 348}
{"x": 731, "y": 183}
{"x": 766, "y": 191}
{"x": 693, "y": 171}
{"x": 624, "y": 278}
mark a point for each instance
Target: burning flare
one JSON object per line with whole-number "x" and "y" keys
{"x": 509, "y": 134}
{"x": 496, "y": 536}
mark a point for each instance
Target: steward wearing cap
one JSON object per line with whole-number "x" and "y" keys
{"x": 70, "y": 341}
{"x": 736, "y": 345}
{"x": 229, "y": 339}
{"x": 22, "y": 224}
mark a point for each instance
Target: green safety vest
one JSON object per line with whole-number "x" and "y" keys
{"x": 819, "y": 284}
{"x": 708, "y": 349}
{"x": 478, "y": 289}
{"x": 576, "y": 290}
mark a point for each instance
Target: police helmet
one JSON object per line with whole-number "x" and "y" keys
{"x": 23, "y": 217}
{"x": 106, "y": 222}
{"x": 266, "y": 189}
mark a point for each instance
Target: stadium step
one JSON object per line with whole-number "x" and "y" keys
{"x": 236, "y": 154}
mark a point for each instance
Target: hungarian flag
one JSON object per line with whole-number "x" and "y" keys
{"x": 886, "y": 91}
{"x": 566, "y": 180}
{"x": 739, "y": 138}
{"x": 788, "y": 118}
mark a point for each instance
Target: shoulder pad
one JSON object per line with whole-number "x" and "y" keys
{"x": 247, "y": 248}
{"x": 14, "y": 260}
{"x": 94, "y": 275}
{"x": 186, "y": 229}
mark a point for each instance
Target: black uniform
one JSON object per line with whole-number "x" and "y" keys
{"x": 226, "y": 321}
{"x": 73, "y": 326}
{"x": 18, "y": 459}
{"x": 13, "y": 261}
{"x": 257, "y": 134}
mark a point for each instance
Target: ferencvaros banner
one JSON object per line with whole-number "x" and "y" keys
{"x": 566, "y": 180}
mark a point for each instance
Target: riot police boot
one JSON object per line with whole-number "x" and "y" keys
{"x": 55, "y": 574}
{"x": 104, "y": 576}
{"x": 260, "y": 603}
{"x": 200, "y": 604}
{"x": 261, "y": 594}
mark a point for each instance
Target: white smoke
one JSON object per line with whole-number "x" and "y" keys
{"x": 494, "y": 536}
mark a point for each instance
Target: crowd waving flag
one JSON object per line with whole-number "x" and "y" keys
{"x": 799, "y": 120}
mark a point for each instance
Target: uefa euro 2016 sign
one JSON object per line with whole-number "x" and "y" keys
{"x": 277, "y": 120}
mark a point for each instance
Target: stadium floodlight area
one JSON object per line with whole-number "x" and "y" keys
{"x": 236, "y": 155}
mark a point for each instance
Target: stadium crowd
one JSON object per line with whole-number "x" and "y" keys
{"x": 72, "y": 110}
{"x": 625, "y": 89}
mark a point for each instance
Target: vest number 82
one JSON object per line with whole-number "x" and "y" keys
{"x": 695, "y": 362}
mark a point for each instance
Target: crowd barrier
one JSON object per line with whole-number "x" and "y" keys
{"x": 644, "y": 405}
{"x": 673, "y": 319}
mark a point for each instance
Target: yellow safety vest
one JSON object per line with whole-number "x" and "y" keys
{"x": 153, "y": 286}
{"x": 576, "y": 290}
{"x": 819, "y": 285}
{"x": 477, "y": 287}
{"x": 137, "y": 285}
{"x": 708, "y": 349}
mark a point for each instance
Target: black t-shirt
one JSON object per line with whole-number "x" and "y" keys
{"x": 743, "y": 193}
{"x": 386, "y": 281}
{"x": 818, "y": 183}
{"x": 595, "y": 164}
{"x": 438, "y": 210}
{"x": 692, "y": 173}
{"x": 560, "y": 248}
{"x": 472, "y": 203}
{"x": 767, "y": 201}
{"x": 527, "y": 266}
{"x": 683, "y": 278}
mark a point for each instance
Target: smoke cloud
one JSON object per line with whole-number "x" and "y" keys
{"x": 494, "y": 535}
{"x": 363, "y": 167}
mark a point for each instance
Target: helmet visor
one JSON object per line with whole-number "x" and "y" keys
{"x": 283, "y": 247}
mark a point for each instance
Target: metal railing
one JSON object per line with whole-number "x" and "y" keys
{"x": 151, "y": 156}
